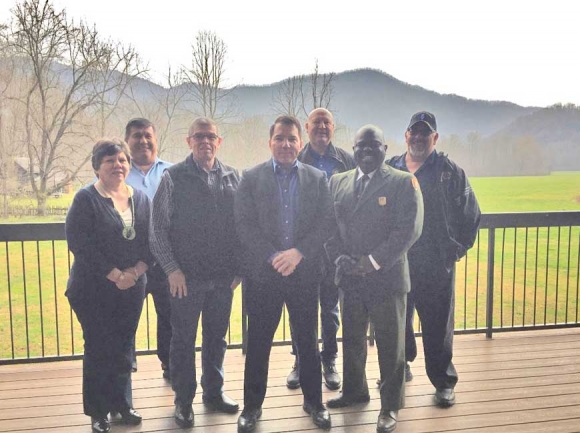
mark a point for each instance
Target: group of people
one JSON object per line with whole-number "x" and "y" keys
{"x": 382, "y": 238}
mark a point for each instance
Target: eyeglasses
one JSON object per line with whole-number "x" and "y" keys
{"x": 200, "y": 137}
{"x": 423, "y": 132}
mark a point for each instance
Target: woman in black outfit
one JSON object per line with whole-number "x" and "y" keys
{"x": 107, "y": 229}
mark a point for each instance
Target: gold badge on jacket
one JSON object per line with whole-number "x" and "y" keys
{"x": 415, "y": 183}
{"x": 382, "y": 201}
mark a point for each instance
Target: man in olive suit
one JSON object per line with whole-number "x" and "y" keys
{"x": 379, "y": 211}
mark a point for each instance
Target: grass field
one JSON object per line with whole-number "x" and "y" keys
{"x": 536, "y": 272}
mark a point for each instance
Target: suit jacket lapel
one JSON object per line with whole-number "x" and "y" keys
{"x": 379, "y": 179}
{"x": 272, "y": 205}
{"x": 303, "y": 185}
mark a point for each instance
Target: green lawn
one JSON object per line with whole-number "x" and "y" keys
{"x": 39, "y": 311}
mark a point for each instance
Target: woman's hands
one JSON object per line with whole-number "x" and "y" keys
{"x": 126, "y": 278}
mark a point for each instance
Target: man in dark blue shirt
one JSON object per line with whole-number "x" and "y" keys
{"x": 451, "y": 223}
{"x": 283, "y": 216}
{"x": 319, "y": 152}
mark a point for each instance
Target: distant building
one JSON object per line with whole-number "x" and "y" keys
{"x": 22, "y": 165}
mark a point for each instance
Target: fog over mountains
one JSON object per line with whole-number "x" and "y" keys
{"x": 371, "y": 96}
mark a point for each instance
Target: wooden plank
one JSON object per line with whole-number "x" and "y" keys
{"x": 523, "y": 382}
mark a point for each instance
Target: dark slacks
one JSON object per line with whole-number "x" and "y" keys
{"x": 158, "y": 287}
{"x": 388, "y": 317}
{"x": 213, "y": 300}
{"x": 109, "y": 319}
{"x": 265, "y": 301}
{"x": 433, "y": 296}
{"x": 329, "y": 319}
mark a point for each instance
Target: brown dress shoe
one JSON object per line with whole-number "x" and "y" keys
{"x": 387, "y": 421}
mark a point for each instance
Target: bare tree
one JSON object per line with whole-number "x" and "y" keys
{"x": 206, "y": 76}
{"x": 289, "y": 97}
{"x": 297, "y": 96}
{"x": 9, "y": 134}
{"x": 164, "y": 106}
{"x": 62, "y": 63}
{"x": 320, "y": 92}
{"x": 114, "y": 74}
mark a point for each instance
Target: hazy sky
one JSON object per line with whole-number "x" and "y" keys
{"x": 520, "y": 51}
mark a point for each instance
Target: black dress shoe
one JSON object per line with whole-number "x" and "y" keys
{"x": 445, "y": 397}
{"x": 130, "y": 417}
{"x": 293, "y": 379}
{"x": 387, "y": 421}
{"x": 221, "y": 403}
{"x": 100, "y": 425}
{"x": 248, "y": 419}
{"x": 183, "y": 415}
{"x": 320, "y": 416}
{"x": 331, "y": 376}
{"x": 345, "y": 401}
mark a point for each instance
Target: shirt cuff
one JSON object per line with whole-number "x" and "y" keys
{"x": 374, "y": 262}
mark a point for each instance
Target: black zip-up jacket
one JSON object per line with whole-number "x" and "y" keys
{"x": 346, "y": 160}
{"x": 458, "y": 208}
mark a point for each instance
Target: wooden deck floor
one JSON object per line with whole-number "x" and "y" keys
{"x": 517, "y": 382}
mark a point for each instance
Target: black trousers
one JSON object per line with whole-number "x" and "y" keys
{"x": 213, "y": 301}
{"x": 265, "y": 301}
{"x": 329, "y": 318}
{"x": 433, "y": 296}
{"x": 109, "y": 319}
{"x": 158, "y": 287}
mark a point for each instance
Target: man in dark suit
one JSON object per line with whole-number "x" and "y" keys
{"x": 379, "y": 212}
{"x": 283, "y": 217}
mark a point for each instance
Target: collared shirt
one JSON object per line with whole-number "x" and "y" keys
{"x": 161, "y": 219}
{"x": 288, "y": 196}
{"x": 147, "y": 182}
{"x": 327, "y": 162}
{"x": 427, "y": 245}
{"x": 212, "y": 177}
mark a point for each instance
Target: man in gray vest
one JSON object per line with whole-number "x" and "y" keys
{"x": 194, "y": 240}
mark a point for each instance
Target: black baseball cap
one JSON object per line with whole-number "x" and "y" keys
{"x": 425, "y": 117}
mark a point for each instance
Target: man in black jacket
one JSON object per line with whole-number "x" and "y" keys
{"x": 451, "y": 223}
{"x": 194, "y": 240}
{"x": 319, "y": 152}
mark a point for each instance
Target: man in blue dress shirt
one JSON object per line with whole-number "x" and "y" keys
{"x": 283, "y": 216}
{"x": 319, "y": 152}
{"x": 145, "y": 174}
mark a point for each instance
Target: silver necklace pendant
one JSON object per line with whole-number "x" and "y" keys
{"x": 129, "y": 233}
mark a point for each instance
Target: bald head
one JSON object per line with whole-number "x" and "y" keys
{"x": 369, "y": 148}
{"x": 320, "y": 129}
